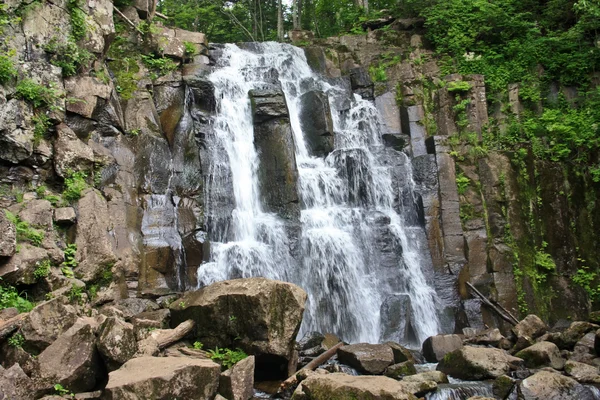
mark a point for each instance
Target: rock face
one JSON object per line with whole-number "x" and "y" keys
{"x": 547, "y": 385}
{"x": 116, "y": 342}
{"x": 71, "y": 360}
{"x": 342, "y": 386}
{"x": 542, "y": 354}
{"x": 237, "y": 383}
{"x": 436, "y": 347}
{"x": 15, "y": 384}
{"x": 8, "y": 241}
{"x": 316, "y": 122}
{"x": 259, "y": 315}
{"x": 163, "y": 378}
{"x": 477, "y": 363}
{"x": 274, "y": 141}
{"x": 47, "y": 321}
{"x": 367, "y": 358}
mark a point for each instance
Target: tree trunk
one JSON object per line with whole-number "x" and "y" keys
{"x": 279, "y": 21}
{"x": 297, "y": 15}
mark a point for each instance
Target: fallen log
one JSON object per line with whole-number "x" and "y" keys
{"x": 134, "y": 26}
{"x": 508, "y": 318}
{"x": 194, "y": 353}
{"x": 311, "y": 366}
{"x": 166, "y": 337}
{"x": 10, "y": 325}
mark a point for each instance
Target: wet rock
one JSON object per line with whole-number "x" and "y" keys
{"x": 258, "y": 315}
{"x": 419, "y": 387}
{"x": 478, "y": 363}
{"x": 116, "y": 342}
{"x": 502, "y": 386}
{"x": 47, "y": 321}
{"x": 164, "y": 378}
{"x": 316, "y": 122}
{"x": 314, "y": 343}
{"x": 8, "y": 239}
{"x": 583, "y": 373}
{"x": 400, "y": 370}
{"x": 237, "y": 383}
{"x": 342, "y": 386}
{"x": 396, "y": 318}
{"x": 436, "y": 347}
{"x": 367, "y": 358}
{"x": 362, "y": 83}
{"x": 70, "y": 153}
{"x": 71, "y": 361}
{"x": 15, "y": 384}
{"x": 268, "y": 104}
{"x": 390, "y": 114}
{"x": 85, "y": 92}
{"x": 65, "y": 215}
{"x": 94, "y": 241}
{"x": 401, "y": 353}
{"x": 542, "y": 354}
{"x": 546, "y": 385}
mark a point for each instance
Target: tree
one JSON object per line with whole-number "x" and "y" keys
{"x": 279, "y": 21}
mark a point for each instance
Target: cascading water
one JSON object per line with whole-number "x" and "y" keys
{"x": 357, "y": 249}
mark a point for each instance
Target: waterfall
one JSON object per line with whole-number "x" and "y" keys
{"x": 357, "y": 247}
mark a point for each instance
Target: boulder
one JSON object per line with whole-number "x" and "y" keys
{"x": 237, "y": 383}
{"x": 546, "y": 385}
{"x": 489, "y": 337}
{"x": 401, "y": 353}
{"x": 94, "y": 242}
{"x": 362, "y": 83}
{"x": 419, "y": 386}
{"x": 396, "y": 318}
{"x": 597, "y": 342}
{"x": 400, "y": 370}
{"x": 116, "y": 342}
{"x": 164, "y": 378}
{"x": 343, "y": 386}
{"x": 72, "y": 360}
{"x": 8, "y": 239}
{"x": 502, "y": 386}
{"x": 577, "y": 330}
{"x": 20, "y": 268}
{"x": 542, "y": 354}
{"x": 268, "y": 104}
{"x": 316, "y": 122}
{"x": 478, "y": 363}
{"x": 436, "y": 347}
{"x": 65, "y": 215}
{"x": 70, "y": 153}
{"x": 15, "y": 384}
{"x": 527, "y": 330}
{"x": 16, "y": 131}
{"x": 314, "y": 344}
{"x": 37, "y": 213}
{"x": 367, "y": 358}
{"x": 135, "y": 306}
{"x": 47, "y": 321}
{"x": 583, "y": 373}
{"x": 86, "y": 91}
{"x": 258, "y": 315}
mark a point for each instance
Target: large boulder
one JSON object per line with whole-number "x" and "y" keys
{"x": 72, "y": 360}
{"x": 436, "y": 347}
{"x": 16, "y": 131}
{"x": 577, "y": 330}
{"x": 8, "y": 240}
{"x": 478, "y": 363}
{"x": 70, "y": 153}
{"x": 400, "y": 370}
{"x": 546, "y": 385}
{"x": 343, "y": 386}
{"x": 46, "y": 322}
{"x": 527, "y": 330}
{"x": 21, "y": 267}
{"x": 268, "y": 104}
{"x": 237, "y": 383}
{"x": 316, "y": 122}
{"x": 258, "y": 315}
{"x": 542, "y": 354}
{"x": 116, "y": 342}
{"x": 15, "y": 384}
{"x": 582, "y": 372}
{"x": 367, "y": 358}
{"x": 163, "y": 378}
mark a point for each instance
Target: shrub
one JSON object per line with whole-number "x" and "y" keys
{"x": 70, "y": 256}
{"x": 227, "y": 357}
{"x": 7, "y": 69}
{"x": 17, "y": 340}
{"x": 378, "y": 73}
{"x": 160, "y": 65}
{"x": 24, "y": 231}
{"x": 459, "y": 87}
{"x": 462, "y": 183}
{"x": 42, "y": 270}
{"x": 9, "y": 297}
{"x": 75, "y": 184}
{"x": 75, "y": 294}
{"x": 36, "y": 94}
{"x": 68, "y": 56}
{"x": 78, "y": 22}
{"x": 198, "y": 345}
{"x": 190, "y": 49}
{"x": 41, "y": 125}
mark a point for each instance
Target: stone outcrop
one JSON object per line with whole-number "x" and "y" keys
{"x": 316, "y": 122}
{"x": 47, "y": 321}
{"x": 548, "y": 385}
{"x": 8, "y": 241}
{"x": 237, "y": 383}
{"x": 163, "y": 377}
{"x": 478, "y": 363}
{"x": 258, "y": 315}
{"x": 436, "y": 347}
{"x": 116, "y": 342}
{"x": 542, "y": 354}
{"x": 367, "y": 358}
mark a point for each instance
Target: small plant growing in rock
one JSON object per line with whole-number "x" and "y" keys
{"x": 16, "y": 340}
{"x": 227, "y": 357}
{"x": 24, "y": 231}
{"x": 75, "y": 184}
{"x": 42, "y": 270}
{"x": 190, "y": 49}
{"x": 182, "y": 304}
{"x": 462, "y": 184}
{"x": 9, "y": 297}
{"x": 198, "y": 345}
{"x": 7, "y": 69}
{"x": 76, "y": 293}
{"x": 459, "y": 87}
{"x": 62, "y": 391}
{"x": 36, "y": 94}
{"x": 70, "y": 258}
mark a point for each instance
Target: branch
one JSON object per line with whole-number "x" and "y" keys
{"x": 128, "y": 20}
{"x": 9, "y": 326}
{"x": 508, "y": 318}
{"x": 237, "y": 21}
{"x": 163, "y": 16}
{"x": 311, "y": 366}
{"x": 166, "y": 337}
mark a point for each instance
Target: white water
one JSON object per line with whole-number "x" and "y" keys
{"x": 341, "y": 196}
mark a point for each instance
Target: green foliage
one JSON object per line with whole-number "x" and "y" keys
{"x": 190, "y": 49}
{"x": 198, "y": 345}
{"x": 378, "y": 73}
{"x": 62, "y": 391}
{"x": 41, "y": 125}
{"x": 75, "y": 294}
{"x": 24, "y": 231}
{"x": 75, "y": 184}
{"x": 125, "y": 71}
{"x": 36, "y": 94}
{"x": 159, "y": 65}
{"x": 7, "y": 69}
{"x": 78, "y": 22}
{"x": 462, "y": 183}
{"x": 17, "y": 340}
{"x": 40, "y": 191}
{"x": 459, "y": 86}
{"x": 584, "y": 278}
{"x": 68, "y": 55}
{"x": 42, "y": 269}
{"x": 544, "y": 261}
{"x": 70, "y": 254}
{"x": 227, "y": 357}
{"x": 9, "y": 297}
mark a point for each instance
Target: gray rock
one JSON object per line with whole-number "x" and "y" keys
{"x": 489, "y": 337}
{"x": 86, "y": 92}
{"x": 268, "y": 104}
{"x": 546, "y": 385}
{"x": 367, "y": 358}
{"x": 316, "y": 122}
{"x": 577, "y": 330}
{"x": 436, "y": 347}
{"x": 70, "y": 153}
{"x": 43, "y": 325}
{"x": 8, "y": 240}
{"x": 530, "y": 328}
{"x": 266, "y": 316}
{"x": 72, "y": 360}
{"x": 37, "y": 213}
{"x": 478, "y": 363}
{"x": 20, "y": 268}
{"x": 542, "y": 354}
{"x": 237, "y": 383}
{"x": 65, "y": 215}
{"x": 15, "y": 384}
{"x": 116, "y": 342}
{"x": 361, "y": 82}
{"x": 396, "y": 318}
{"x": 400, "y": 370}
{"x": 16, "y": 131}
{"x": 163, "y": 378}
{"x": 583, "y": 373}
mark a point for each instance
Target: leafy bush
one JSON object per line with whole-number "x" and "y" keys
{"x": 78, "y": 22}
{"x": 198, "y": 345}
{"x": 190, "y": 49}
{"x": 462, "y": 183}
{"x": 68, "y": 56}
{"x": 75, "y": 294}
{"x": 75, "y": 184}
{"x": 378, "y": 73}
{"x": 70, "y": 256}
{"x": 459, "y": 86}
{"x": 24, "y": 231}
{"x": 17, "y": 340}
{"x": 161, "y": 65}
{"x": 227, "y": 357}
{"x": 7, "y": 69}
{"x": 9, "y": 297}
{"x": 42, "y": 269}
{"x": 36, "y": 94}
{"x": 41, "y": 125}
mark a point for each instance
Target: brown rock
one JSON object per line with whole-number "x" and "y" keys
{"x": 47, "y": 321}
{"x": 546, "y": 385}
{"x": 583, "y": 373}
{"x": 8, "y": 239}
{"x": 542, "y": 354}
{"x": 368, "y": 358}
{"x": 237, "y": 383}
{"x": 477, "y": 363}
{"x": 116, "y": 342}
{"x": 436, "y": 347}
{"x": 342, "y": 386}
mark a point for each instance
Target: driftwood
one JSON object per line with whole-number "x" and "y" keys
{"x": 194, "y": 353}
{"x": 128, "y": 20}
{"x": 166, "y": 337}
{"x": 498, "y": 309}
{"x": 163, "y": 16}
{"x": 311, "y": 366}
{"x": 10, "y": 325}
